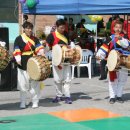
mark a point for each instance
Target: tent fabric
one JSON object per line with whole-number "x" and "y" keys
{"x": 79, "y": 7}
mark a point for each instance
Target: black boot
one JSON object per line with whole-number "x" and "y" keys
{"x": 120, "y": 100}
{"x": 112, "y": 100}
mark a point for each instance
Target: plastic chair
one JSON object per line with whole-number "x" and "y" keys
{"x": 86, "y": 62}
{"x": 73, "y": 67}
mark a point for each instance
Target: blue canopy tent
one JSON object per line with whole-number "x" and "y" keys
{"x": 70, "y": 7}
{"x": 79, "y": 7}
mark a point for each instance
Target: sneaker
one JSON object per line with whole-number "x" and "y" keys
{"x": 22, "y": 105}
{"x": 68, "y": 100}
{"x": 35, "y": 105}
{"x": 112, "y": 100}
{"x": 57, "y": 99}
{"x": 120, "y": 100}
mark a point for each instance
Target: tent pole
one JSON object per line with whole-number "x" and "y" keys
{"x": 127, "y": 24}
{"x": 34, "y": 23}
{"x": 22, "y": 22}
{"x": 96, "y": 36}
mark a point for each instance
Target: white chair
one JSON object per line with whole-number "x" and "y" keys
{"x": 73, "y": 67}
{"x": 86, "y": 62}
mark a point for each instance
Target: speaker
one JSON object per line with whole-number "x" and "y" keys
{"x": 4, "y": 36}
{"x": 8, "y": 78}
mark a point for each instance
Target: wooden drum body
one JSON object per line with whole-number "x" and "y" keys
{"x": 64, "y": 55}
{"x": 4, "y": 58}
{"x": 38, "y": 68}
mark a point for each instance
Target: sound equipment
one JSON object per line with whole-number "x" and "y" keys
{"x": 4, "y": 36}
{"x": 8, "y": 77}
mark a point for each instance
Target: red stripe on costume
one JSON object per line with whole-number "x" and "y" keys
{"x": 116, "y": 39}
{"x": 106, "y": 46}
{"x": 112, "y": 44}
{"x": 112, "y": 75}
{"x": 28, "y": 46}
{"x": 56, "y": 40}
{"x": 16, "y": 53}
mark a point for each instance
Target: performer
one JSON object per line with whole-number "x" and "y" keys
{"x": 117, "y": 79}
{"x": 26, "y": 46}
{"x": 62, "y": 73}
{"x": 103, "y": 70}
{"x": 116, "y": 19}
{"x": 71, "y": 28}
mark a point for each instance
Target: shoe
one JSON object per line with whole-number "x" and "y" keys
{"x": 120, "y": 100}
{"x": 35, "y": 105}
{"x": 102, "y": 78}
{"x": 68, "y": 100}
{"x": 57, "y": 99}
{"x": 112, "y": 100}
{"x": 22, "y": 105}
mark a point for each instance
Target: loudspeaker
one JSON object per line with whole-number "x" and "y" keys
{"x": 4, "y": 36}
{"x": 8, "y": 78}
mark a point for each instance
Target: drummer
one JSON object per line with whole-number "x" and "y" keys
{"x": 118, "y": 79}
{"x": 26, "y": 46}
{"x": 62, "y": 73}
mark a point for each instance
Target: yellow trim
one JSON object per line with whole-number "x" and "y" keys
{"x": 118, "y": 42}
{"x": 104, "y": 48}
{"x": 62, "y": 37}
{"x": 38, "y": 48}
{"x": 27, "y": 53}
{"x": 28, "y": 39}
{"x": 17, "y": 50}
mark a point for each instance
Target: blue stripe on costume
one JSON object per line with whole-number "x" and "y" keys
{"x": 39, "y": 44}
{"x": 104, "y": 51}
{"x": 16, "y": 47}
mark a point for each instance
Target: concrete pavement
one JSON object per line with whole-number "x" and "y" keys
{"x": 86, "y": 93}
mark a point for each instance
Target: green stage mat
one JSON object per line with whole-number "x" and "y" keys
{"x": 38, "y": 122}
{"x": 121, "y": 123}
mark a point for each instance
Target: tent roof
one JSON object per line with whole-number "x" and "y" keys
{"x": 79, "y": 7}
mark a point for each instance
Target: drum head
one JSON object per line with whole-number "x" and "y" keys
{"x": 112, "y": 60}
{"x": 33, "y": 69}
{"x": 56, "y": 55}
{"x": 80, "y": 51}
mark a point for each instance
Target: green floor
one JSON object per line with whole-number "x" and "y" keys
{"x": 48, "y": 122}
{"x": 121, "y": 123}
{"x": 39, "y": 122}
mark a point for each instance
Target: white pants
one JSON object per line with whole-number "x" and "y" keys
{"x": 62, "y": 80}
{"x": 116, "y": 87}
{"x": 26, "y": 85}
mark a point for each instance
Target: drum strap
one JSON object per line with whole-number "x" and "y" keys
{"x": 61, "y": 37}
{"x": 27, "y": 40}
{"x": 56, "y": 40}
{"x": 57, "y": 37}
